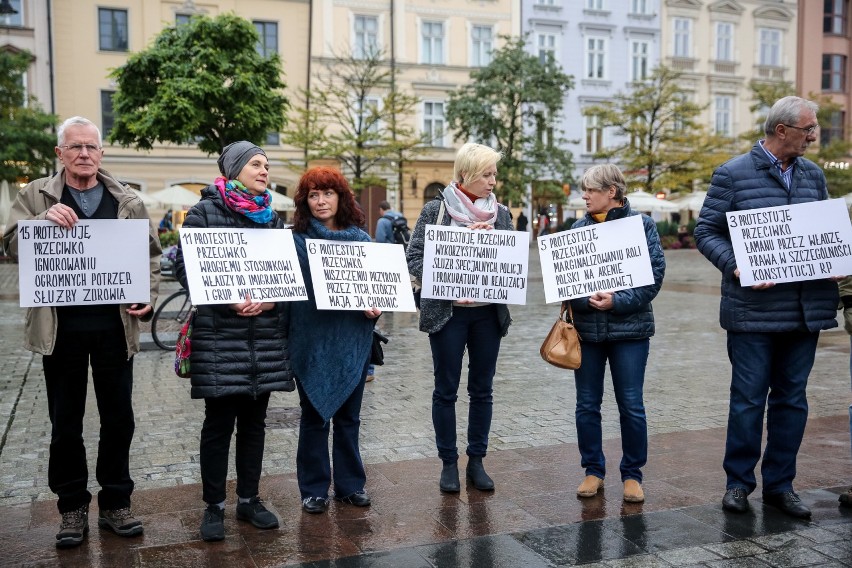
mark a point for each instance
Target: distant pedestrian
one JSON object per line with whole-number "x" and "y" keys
{"x": 166, "y": 222}
{"x": 543, "y": 221}
{"x": 72, "y": 339}
{"x": 460, "y": 326}
{"x": 522, "y": 222}
{"x": 615, "y": 327}
{"x": 773, "y": 329}
{"x": 846, "y": 301}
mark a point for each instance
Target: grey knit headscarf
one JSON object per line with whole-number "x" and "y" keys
{"x": 235, "y": 156}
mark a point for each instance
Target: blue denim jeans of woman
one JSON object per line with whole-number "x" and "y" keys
{"x": 220, "y": 416}
{"x": 313, "y": 464}
{"x": 477, "y": 330}
{"x": 769, "y": 371}
{"x": 627, "y": 360}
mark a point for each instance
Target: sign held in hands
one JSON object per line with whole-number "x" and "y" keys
{"x": 97, "y": 261}
{"x": 223, "y": 265}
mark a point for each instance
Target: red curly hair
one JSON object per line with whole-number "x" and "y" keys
{"x": 324, "y": 177}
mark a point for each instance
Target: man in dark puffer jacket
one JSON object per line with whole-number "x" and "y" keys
{"x": 772, "y": 329}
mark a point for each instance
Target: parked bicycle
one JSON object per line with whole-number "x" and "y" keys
{"x": 169, "y": 319}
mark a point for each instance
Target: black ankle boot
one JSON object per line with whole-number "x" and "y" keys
{"x": 450, "y": 478}
{"x": 476, "y": 473}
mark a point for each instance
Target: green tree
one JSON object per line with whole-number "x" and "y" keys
{"x": 200, "y": 83}
{"x": 353, "y": 114}
{"x": 26, "y": 137}
{"x": 515, "y": 103}
{"x": 663, "y": 143}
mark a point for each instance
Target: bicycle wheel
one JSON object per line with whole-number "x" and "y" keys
{"x": 169, "y": 319}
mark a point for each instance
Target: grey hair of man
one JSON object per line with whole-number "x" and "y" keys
{"x": 76, "y": 121}
{"x": 787, "y": 110}
{"x": 601, "y": 177}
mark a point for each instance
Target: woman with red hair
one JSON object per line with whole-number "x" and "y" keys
{"x": 329, "y": 351}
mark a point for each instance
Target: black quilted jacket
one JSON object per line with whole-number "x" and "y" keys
{"x": 231, "y": 354}
{"x": 750, "y": 181}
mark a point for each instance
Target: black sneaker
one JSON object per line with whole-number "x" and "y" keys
{"x": 315, "y": 505}
{"x": 257, "y": 514}
{"x": 359, "y": 499}
{"x": 120, "y": 521}
{"x": 213, "y": 524}
{"x": 735, "y": 500}
{"x": 74, "y": 528}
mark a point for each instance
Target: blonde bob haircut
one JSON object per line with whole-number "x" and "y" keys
{"x": 472, "y": 160}
{"x": 602, "y": 177}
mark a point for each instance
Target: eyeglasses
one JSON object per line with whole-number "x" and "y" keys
{"x": 808, "y": 129}
{"x": 77, "y": 148}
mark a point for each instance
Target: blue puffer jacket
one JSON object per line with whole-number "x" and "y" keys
{"x": 750, "y": 181}
{"x": 631, "y": 316}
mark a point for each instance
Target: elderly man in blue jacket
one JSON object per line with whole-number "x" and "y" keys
{"x": 772, "y": 328}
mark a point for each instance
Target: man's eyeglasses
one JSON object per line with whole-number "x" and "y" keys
{"x": 77, "y": 148}
{"x": 808, "y": 129}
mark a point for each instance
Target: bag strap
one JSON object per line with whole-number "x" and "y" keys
{"x": 440, "y": 214}
{"x": 570, "y": 318}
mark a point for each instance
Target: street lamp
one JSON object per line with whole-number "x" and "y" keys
{"x": 6, "y": 10}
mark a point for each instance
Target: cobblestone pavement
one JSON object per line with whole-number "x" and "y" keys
{"x": 686, "y": 390}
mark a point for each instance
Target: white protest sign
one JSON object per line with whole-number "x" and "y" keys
{"x": 358, "y": 275}
{"x": 479, "y": 265}
{"x": 97, "y": 261}
{"x": 223, "y": 265}
{"x": 791, "y": 243}
{"x": 604, "y": 257}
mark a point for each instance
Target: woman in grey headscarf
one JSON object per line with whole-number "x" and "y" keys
{"x": 456, "y": 326}
{"x": 239, "y": 351}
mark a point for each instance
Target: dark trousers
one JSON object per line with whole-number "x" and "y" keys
{"x": 478, "y": 330}
{"x": 66, "y": 374}
{"x": 313, "y": 465}
{"x": 627, "y": 361}
{"x": 768, "y": 371}
{"x": 220, "y": 415}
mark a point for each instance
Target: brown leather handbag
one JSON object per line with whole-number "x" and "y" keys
{"x": 561, "y": 347}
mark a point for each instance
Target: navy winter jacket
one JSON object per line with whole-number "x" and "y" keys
{"x": 232, "y": 354}
{"x": 750, "y": 181}
{"x": 631, "y": 316}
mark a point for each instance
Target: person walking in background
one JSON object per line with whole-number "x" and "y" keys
{"x": 239, "y": 351}
{"x": 463, "y": 325}
{"x": 615, "y": 327}
{"x": 384, "y": 226}
{"x": 522, "y": 222}
{"x": 543, "y": 221}
{"x": 71, "y": 339}
{"x": 166, "y": 222}
{"x": 330, "y": 351}
{"x": 846, "y": 301}
{"x": 772, "y": 329}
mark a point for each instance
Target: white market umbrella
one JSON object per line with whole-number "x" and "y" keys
{"x": 150, "y": 202}
{"x": 576, "y": 203}
{"x": 5, "y": 202}
{"x": 644, "y": 201}
{"x": 176, "y": 196}
{"x": 693, "y": 201}
{"x": 281, "y": 202}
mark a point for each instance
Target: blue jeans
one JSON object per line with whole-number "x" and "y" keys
{"x": 768, "y": 368}
{"x": 627, "y": 360}
{"x": 313, "y": 464}
{"x": 477, "y": 329}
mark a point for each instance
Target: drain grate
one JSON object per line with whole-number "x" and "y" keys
{"x": 283, "y": 417}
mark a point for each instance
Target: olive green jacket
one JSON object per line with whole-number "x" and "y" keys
{"x": 32, "y": 203}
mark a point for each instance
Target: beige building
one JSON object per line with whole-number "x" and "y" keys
{"x": 825, "y": 50}
{"x": 722, "y": 45}
{"x": 436, "y": 44}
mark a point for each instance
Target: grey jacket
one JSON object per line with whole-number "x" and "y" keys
{"x": 434, "y": 314}
{"x": 32, "y": 203}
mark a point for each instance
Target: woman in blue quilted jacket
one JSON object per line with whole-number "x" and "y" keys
{"x": 614, "y": 327}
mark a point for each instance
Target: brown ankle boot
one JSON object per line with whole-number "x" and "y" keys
{"x": 590, "y": 486}
{"x": 633, "y": 492}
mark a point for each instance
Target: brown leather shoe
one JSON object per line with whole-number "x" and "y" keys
{"x": 633, "y": 492}
{"x": 590, "y": 486}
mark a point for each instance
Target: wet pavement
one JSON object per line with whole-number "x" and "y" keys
{"x": 532, "y": 519}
